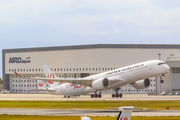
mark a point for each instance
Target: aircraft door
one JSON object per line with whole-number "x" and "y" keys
{"x": 150, "y": 66}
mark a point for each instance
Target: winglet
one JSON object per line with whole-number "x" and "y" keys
{"x": 17, "y": 74}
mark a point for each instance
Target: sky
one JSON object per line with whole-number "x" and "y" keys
{"x": 44, "y": 23}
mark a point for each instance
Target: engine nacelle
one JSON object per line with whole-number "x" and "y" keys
{"x": 100, "y": 84}
{"x": 141, "y": 84}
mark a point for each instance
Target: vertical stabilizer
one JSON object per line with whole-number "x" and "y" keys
{"x": 85, "y": 118}
{"x": 125, "y": 113}
{"x": 41, "y": 84}
{"x": 49, "y": 74}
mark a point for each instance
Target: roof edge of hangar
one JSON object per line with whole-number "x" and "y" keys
{"x": 92, "y": 46}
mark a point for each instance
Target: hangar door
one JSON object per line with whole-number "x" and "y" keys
{"x": 176, "y": 79}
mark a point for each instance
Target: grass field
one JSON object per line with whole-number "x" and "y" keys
{"x": 103, "y": 105}
{"x": 28, "y": 117}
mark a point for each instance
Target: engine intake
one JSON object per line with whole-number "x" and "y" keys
{"x": 100, "y": 84}
{"x": 141, "y": 84}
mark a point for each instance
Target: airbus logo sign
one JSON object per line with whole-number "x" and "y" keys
{"x": 19, "y": 60}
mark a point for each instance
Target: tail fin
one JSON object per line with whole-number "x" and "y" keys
{"x": 41, "y": 85}
{"x": 125, "y": 113}
{"x": 85, "y": 118}
{"x": 49, "y": 74}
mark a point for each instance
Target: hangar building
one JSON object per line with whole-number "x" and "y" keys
{"x": 85, "y": 60}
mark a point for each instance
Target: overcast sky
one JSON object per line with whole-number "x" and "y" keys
{"x": 41, "y": 23}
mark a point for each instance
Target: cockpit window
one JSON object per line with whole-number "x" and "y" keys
{"x": 161, "y": 63}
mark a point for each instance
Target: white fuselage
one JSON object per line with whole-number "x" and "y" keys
{"x": 118, "y": 77}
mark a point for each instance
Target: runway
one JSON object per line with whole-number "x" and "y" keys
{"x": 60, "y": 112}
{"x": 85, "y": 97}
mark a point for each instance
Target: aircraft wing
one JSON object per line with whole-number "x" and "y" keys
{"x": 82, "y": 81}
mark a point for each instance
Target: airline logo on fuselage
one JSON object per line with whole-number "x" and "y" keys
{"x": 78, "y": 86}
{"x": 19, "y": 60}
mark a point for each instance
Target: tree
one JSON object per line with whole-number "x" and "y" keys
{"x": 1, "y": 80}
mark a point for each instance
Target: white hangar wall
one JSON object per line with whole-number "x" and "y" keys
{"x": 69, "y": 61}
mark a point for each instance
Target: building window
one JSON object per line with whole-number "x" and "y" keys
{"x": 64, "y": 69}
{"x": 9, "y": 69}
{"x": 58, "y": 69}
{"x": 39, "y": 69}
{"x": 99, "y": 69}
{"x": 70, "y": 69}
{"x": 67, "y": 69}
{"x": 103, "y": 69}
{"x": 83, "y": 69}
{"x": 18, "y": 69}
{"x": 73, "y": 69}
{"x": 89, "y": 69}
{"x": 29, "y": 69}
{"x": 79, "y": 69}
{"x": 76, "y": 69}
{"x": 32, "y": 69}
{"x": 175, "y": 70}
{"x": 54, "y": 69}
{"x": 86, "y": 69}
{"x": 36, "y": 69}
{"x": 23, "y": 69}
{"x": 12, "y": 69}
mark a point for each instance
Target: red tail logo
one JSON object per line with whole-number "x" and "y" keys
{"x": 41, "y": 84}
{"x": 51, "y": 75}
{"x": 124, "y": 118}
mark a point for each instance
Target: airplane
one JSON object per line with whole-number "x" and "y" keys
{"x": 137, "y": 75}
{"x": 124, "y": 113}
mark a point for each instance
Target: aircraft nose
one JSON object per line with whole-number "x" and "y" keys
{"x": 166, "y": 67}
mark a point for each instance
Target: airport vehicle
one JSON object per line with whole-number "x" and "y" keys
{"x": 177, "y": 93}
{"x": 165, "y": 93}
{"x": 124, "y": 113}
{"x": 137, "y": 75}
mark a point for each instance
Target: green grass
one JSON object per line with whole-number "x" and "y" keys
{"x": 35, "y": 117}
{"x": 103, "y": 105}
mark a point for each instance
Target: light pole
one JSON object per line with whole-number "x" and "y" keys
{"x": 156, "y": 77}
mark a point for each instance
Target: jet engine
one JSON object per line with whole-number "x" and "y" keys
{"x": 100, "y": 84}
{"x": 141, "y": 84}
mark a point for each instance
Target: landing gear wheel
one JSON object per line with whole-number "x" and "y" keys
{"x": 113, "y": 95}
{"x": 64, "y": 96}
{"x": 120, "y": 95}
{"x": 68, "y": 96}
{"x": 92, "y": 95}
{"x": 96, "y": 95}
{"x": 117, "y": 95}
{"x": 100, "y": 96}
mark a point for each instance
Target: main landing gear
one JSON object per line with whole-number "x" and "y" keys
{"x": 66, "y": 96}
{"x": 116, "y": 94}
{"x": 96, "y": 95}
